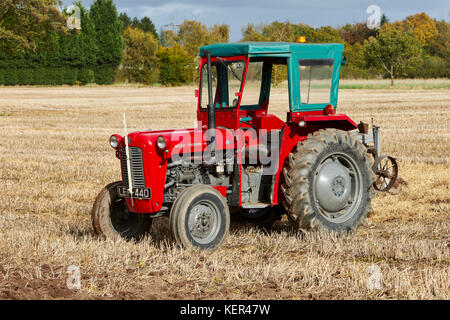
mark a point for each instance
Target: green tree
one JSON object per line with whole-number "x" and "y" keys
{"x": 439, "y": 49}
{"x": 219, "y": 33}
{"x": 69, "y": 57}
{"x": 280, "y": 31}
{"x": 175, "y": 65}
{"x": 384, "y": 19}
{"x": 139, "y": 60}
{"x": 147, "y": 25}
{"x": 286, "y": 31}
{"x": 88, "y": 42}
{"x": 167, "y": 38}
{"x": 392, "y": 53}
{"x": 431, "y": 67}
{"x": 250, "y": 33}
{"x": 110, "y": 43}
{"x": 126, "y": 20}
{"x": 327, "y": 34}
{"x": 306, "y": 31}
{"x": 356, "y": 64}
{"x": 135, "y": 23}
{"x": 48, "y": 60}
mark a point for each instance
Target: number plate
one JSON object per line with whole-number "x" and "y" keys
{"x": 138, "y": 193}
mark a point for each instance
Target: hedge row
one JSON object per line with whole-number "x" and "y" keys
{"x": 55, "y": 76}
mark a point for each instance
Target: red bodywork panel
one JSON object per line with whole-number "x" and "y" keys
{"x": 189, "y": 141}
{"x": 221, "y": 189}
{"x": 294, "y": 134}
{"x": 193, "y": 141}
{"x": 231, "y": 135}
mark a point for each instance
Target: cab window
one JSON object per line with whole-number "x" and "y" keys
{"x": 266, "y": 80}
{"x": 226, "y": 83}
{"x": 253, "y": 81}
{"x": 315, "y": 80}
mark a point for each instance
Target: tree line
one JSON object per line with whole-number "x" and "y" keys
{"x": 33, "y": 51}
{"x": 37, "y": 47}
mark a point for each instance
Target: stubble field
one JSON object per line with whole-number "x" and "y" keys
{"x": 55, "y": 158}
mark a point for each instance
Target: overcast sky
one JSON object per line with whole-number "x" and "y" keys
{"x": 238, "y": 13}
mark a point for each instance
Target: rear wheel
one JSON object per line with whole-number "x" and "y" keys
{"x": 200, "y": 218}
{"x": 111, "y": 217}
{"x": 328, "y": 182}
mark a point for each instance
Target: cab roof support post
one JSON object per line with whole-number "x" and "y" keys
{"x": 211, "y": 108}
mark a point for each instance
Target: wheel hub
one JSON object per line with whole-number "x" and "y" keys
{"x": 201, "y": 221}
{"x": 338, "y": 186}
{"x": 333, "y": 186}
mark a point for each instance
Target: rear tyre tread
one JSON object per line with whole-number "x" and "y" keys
{"x": 296, "y": 187}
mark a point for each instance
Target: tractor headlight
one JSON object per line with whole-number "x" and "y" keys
{"x": 161, "y": 142}
{"x": 114, "y": 141}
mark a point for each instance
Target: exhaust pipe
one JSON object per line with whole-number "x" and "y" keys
{"x": 211, "y": 108}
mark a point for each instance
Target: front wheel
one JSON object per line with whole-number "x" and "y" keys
{"x": 111, "y": 218}
{"x": 200, "y": 218}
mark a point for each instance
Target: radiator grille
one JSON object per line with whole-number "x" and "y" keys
{"x": 137, "y": 167}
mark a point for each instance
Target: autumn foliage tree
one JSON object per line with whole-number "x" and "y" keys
{"x": 356, "y": 33}
{"x": 422, "y": 26}
{"x": 24, "y": 22}
{"x": 37, "y": 47}
{"x": 193, "y": 34}
{"x": 139, "y": 62}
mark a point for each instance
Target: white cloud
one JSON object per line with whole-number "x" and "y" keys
{"x": 238, "y": 13}
{"x": 176, "y": 8}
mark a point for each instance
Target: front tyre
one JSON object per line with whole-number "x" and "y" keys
{"x": 111, "y": 218}
{"x": 328, "y": 182}
{"x": 200, "y": 218}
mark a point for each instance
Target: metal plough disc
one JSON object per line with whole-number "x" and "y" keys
{"x": 386, "y": 171}
{"x": 397, "y": 187}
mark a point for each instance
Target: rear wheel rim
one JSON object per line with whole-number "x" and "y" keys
{"x": 204, "y": 222}
{"x": 337, "y": 187}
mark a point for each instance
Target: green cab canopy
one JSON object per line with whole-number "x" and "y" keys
{"x": 258, "y": 48}
{"x": 294, "y": 52}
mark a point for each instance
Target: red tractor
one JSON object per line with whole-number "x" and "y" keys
{"x": 317, "y": 167}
